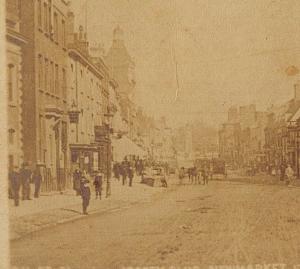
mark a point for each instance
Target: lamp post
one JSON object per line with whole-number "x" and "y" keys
{"x": 108, "y": 115}
{"x": 294, "y": 128}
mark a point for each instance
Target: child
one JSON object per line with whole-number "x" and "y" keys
{"x": 98, "y": 184}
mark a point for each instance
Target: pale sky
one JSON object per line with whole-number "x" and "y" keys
{"x": 228, "y": 51}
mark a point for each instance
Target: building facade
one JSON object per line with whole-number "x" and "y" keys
{"x": 121, "y": 67}
{"x": 44, "y": 106}
{"x": 14, "y": 44}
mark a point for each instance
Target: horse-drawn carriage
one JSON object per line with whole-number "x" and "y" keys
{"x": 214, "y": 166}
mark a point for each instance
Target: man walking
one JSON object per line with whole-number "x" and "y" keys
{"x": 98, "y": 184}
{"x": 15, "y": 182}
{"x": 123, "y": 172}
{"x": 85, "y": 194}
{"x": 76, "y": 181}
{"x": 25, "y": 175}
{"x": 130, "y": 175}
{"x": 289, "y": 172}
{"x": 37, "y": 180}
{"x": 205, "y": 176}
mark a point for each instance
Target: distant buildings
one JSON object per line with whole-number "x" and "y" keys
{"x": 122, "y": 69}
{"x": 263, "y": 139}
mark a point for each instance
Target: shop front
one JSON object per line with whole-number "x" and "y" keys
{"x": 85, "y": 157}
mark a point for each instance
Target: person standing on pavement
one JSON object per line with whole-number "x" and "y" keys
{"x": 116, "y": 169}
{"x": 205, "y": 175}
{"x": 85, "y": 194}
{"x": 181, "y": 175}
{"x": 130, "y": 175}
{"x": 282, "y": 171}
{"x": 37, "y": 180}
{"x": 15, "y": 182}
{"x": 124, "y": 172}
{"x": 76, "y": 181}
{"x": 289, "y": 172}
{"x": 25, "y": 175}
{"x": 98, "y": 184}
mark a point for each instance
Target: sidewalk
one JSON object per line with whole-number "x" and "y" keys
{"x": 55, "y": 208}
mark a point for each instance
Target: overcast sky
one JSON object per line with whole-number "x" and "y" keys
{"x": 228, "y": 51}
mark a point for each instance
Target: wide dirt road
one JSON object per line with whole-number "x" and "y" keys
{"x": 224, "y": 223}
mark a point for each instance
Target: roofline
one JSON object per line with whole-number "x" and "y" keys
{"x": 76, "y": 52}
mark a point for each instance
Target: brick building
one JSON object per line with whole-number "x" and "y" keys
{"x": 44, "y": 106}
{"x": 14, "y": 43}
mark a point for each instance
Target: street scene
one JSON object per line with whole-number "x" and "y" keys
{"x": 153, "y": 134}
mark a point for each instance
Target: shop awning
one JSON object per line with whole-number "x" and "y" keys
{"x": 123, "y": 147}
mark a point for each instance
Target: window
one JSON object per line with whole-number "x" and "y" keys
{"x": 55, "y": 26}
{"x": 50, "y": 18}
{"x": 56, "y": 81}
{"x": 63, "y": 33}
{"x": 64, "y": 86}
{"x": 39, "y": 13}
{"x": 10, "y": 83}
{"x": 10, "y": 162}
{"x": 46, "y": 28}
{"x": 46, "y": 74}
{"x": 40, "y": 72}
{"x": 51, "y": 77}
{"x": 11, "y": 136}
{"x": 41, "y": 137}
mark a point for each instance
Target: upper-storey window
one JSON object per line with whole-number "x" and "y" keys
{"x": 55, "y": 26}
{"x": 56, "y": 81}
{"x": 10, "y": 82}
{"x": 50, "y": 18}
{"x": 39, "y": 13}
{"x": 63, "y": 33}
{"x": 40, "y": 71}
{"x": 64, "y": 83}
{"x": 46, "y": 25}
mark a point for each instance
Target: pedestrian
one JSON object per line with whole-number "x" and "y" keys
{"x": 289, "y": 172}
{"x": 85, "y": 194}
{"x": 98, "y": 184}
{"x": 282, "y": 171}
{"x": 130, "y": 175}
{"x": 77, "y": 175}
{"x": 116, "y": 169}
{"x": 15, "y": 182}
{"x": 163, "y": 179}
{"x": 123, "y": 171}
{"x": 181, "y": 175}
{"x": 190, "y": 175}
{"x": 37, "y": 180}
{"x": 205, "y": 176}
{"x": 25, "y": 176}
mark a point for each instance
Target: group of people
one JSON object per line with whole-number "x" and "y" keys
{"x": 195, "y": 175}
{"x": 21, "y": 179}
{"x": 126, "y": 169}
{"x": 81, "y": 185}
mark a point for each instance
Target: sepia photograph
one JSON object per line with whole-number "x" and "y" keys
{"x": 150, "y": 134}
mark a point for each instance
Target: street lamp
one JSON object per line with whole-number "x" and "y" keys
{"x": 109, "y": 130}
